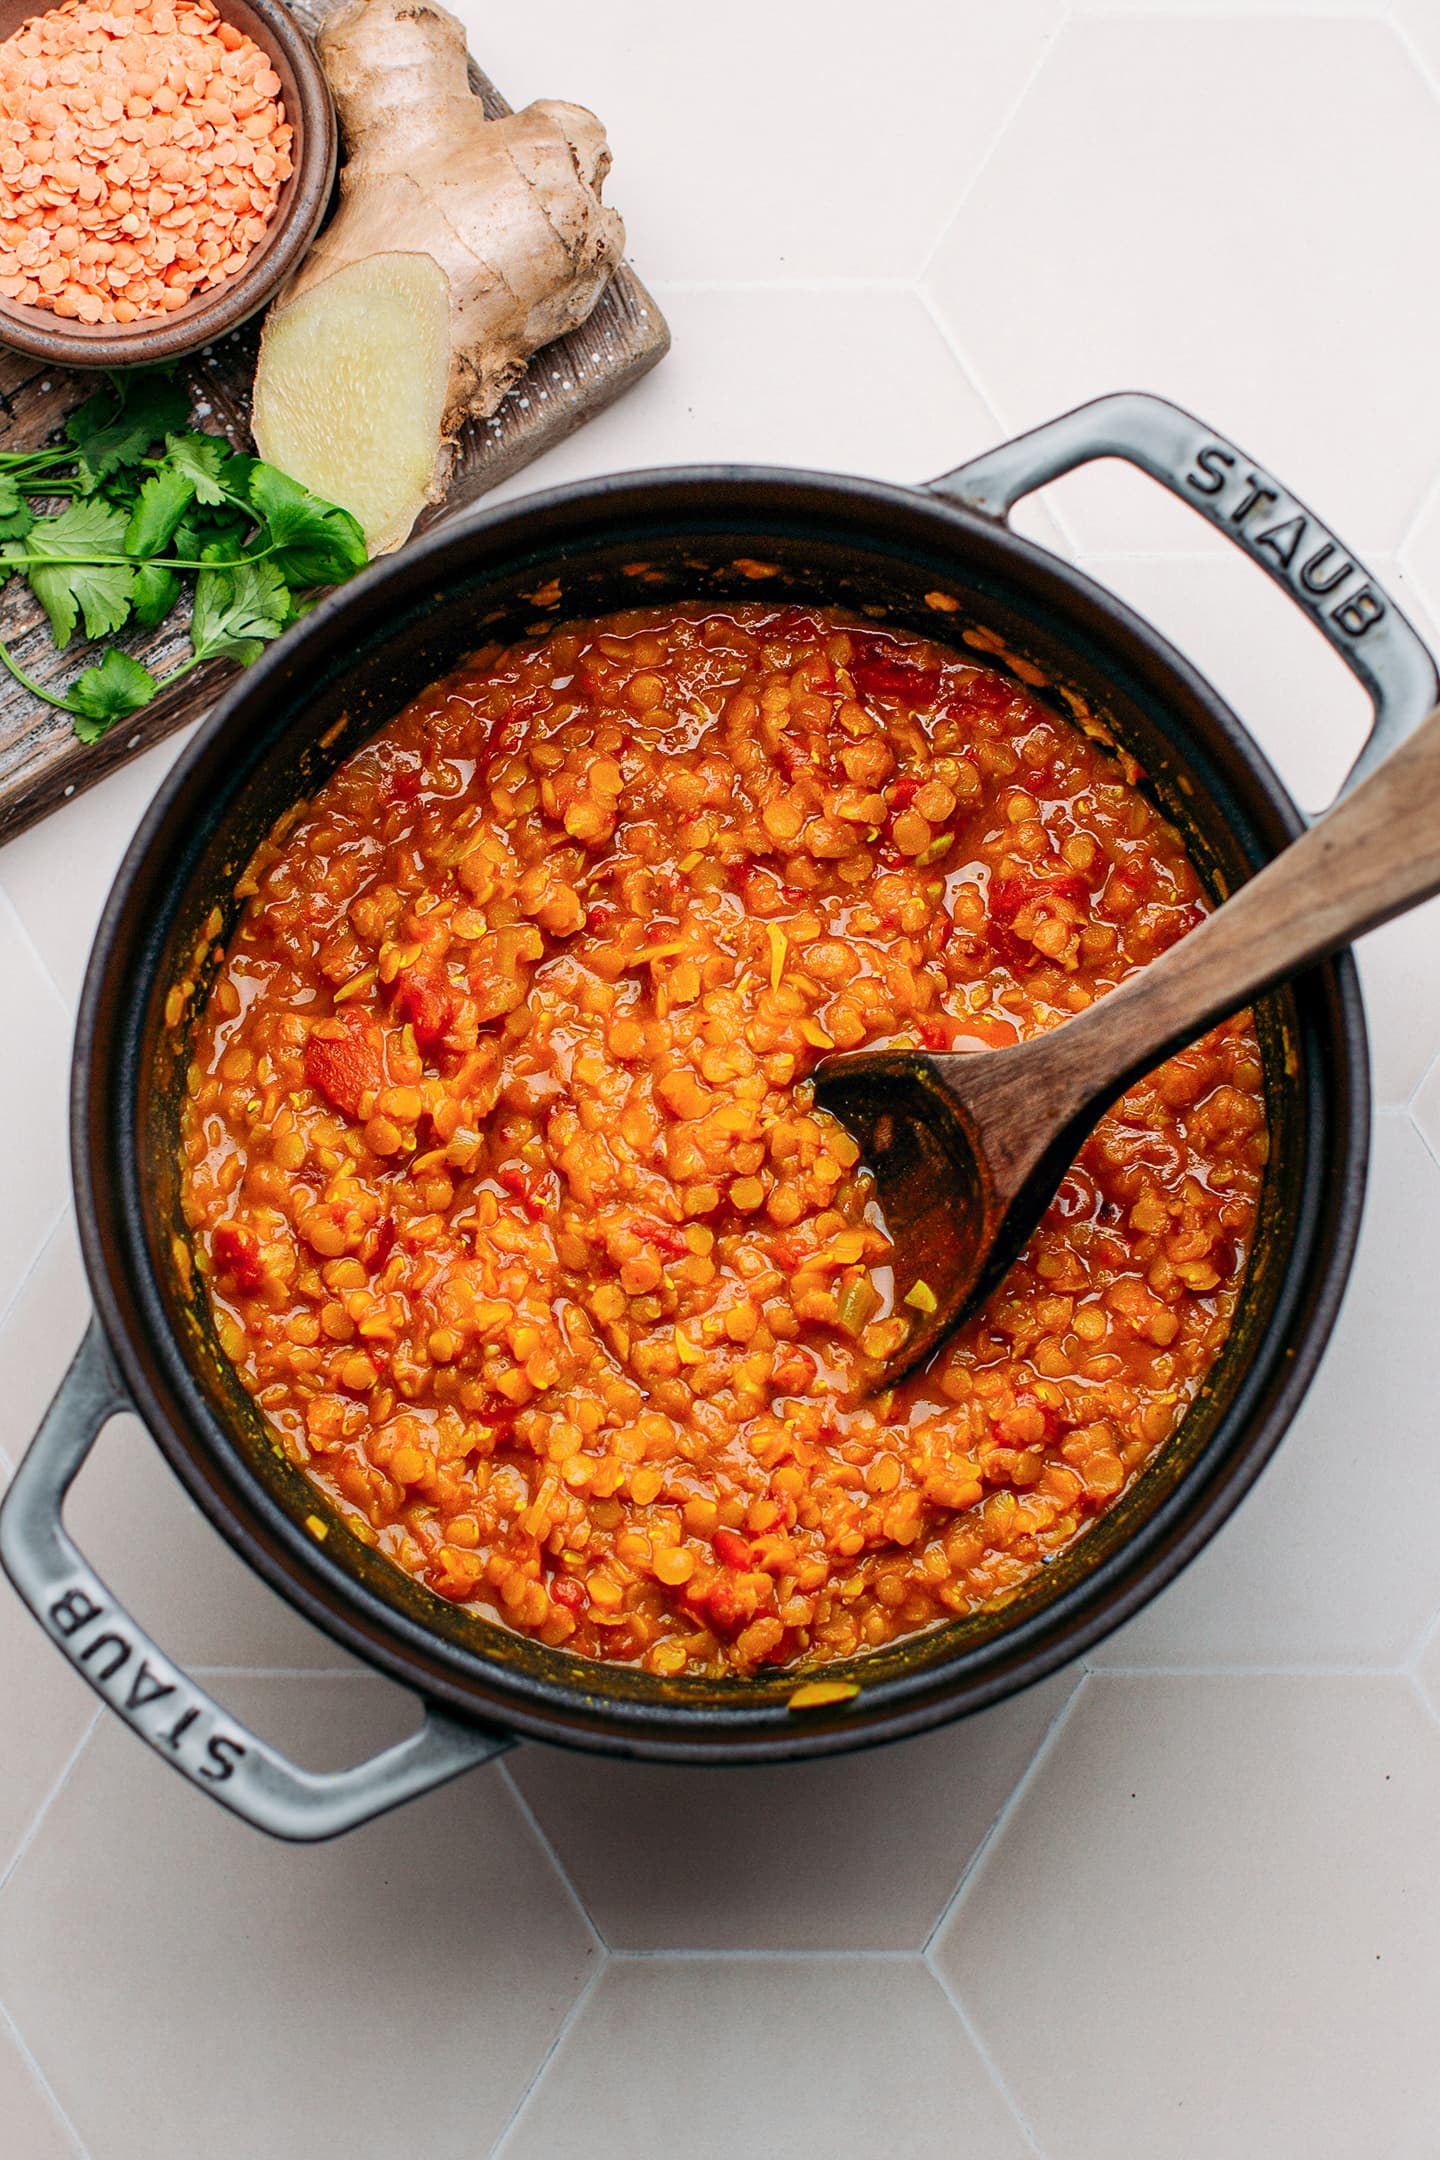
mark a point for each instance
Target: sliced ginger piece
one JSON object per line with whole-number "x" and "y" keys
{"x": 509, "y": 213}
{"x": 350, "y": 390}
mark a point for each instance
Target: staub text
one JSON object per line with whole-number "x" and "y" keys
{"x": 1292, "y": 543}
{"x": 101, "y": 1647}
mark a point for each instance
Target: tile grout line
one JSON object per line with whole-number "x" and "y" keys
{"x": 991, "y": 1839}
{"x": 67, "y": 1005}
{"x": 976, "y": 380}
{"x": 937, "y": 323}
{"x": 38, "y": 1818}
{"x": 1418, "y": 1688}
{"x": 948, "y": 221}
{"x": 1408, "y": 1106}
{"x": 8, "y": 1308}
{"x": 1408, "y": 1112}
{"x": 763, "y": 1954}
{"x": 1428, "y": 501}
{"x": 1429, "y": 1637}
{"x": 571, "y": 2018}
{"x": 1429, "y": 1634}
{"x": 1413, "y": 52}
{"x": 23, "y": 2050}
{"x": 547, "y": 1846}
{"x": 992, "y": 2068}
{"x": 1006, "y": 1809}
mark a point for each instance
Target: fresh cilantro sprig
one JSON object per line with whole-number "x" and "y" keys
{"x": 138, "y": 520}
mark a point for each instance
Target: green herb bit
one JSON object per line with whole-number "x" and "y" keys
{"x": 111, "y": 691}
{"x": 255, "y": 540}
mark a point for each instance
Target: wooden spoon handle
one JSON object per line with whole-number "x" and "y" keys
{"x": 1374, "y": 855}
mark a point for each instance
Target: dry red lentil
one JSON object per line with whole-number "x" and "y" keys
{"x": 519, "y": 1222}
{"x": 143, "y": 147}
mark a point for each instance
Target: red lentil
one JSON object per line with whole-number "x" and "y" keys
{"x": 519, "y": 1221}
{"x": 143, "y": 147}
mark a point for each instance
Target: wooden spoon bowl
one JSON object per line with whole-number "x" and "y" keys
{"x": 303, "y": 202}
{"x": 968, "y": 1150}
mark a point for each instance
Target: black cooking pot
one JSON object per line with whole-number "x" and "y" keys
{"x": 939, "y": 559}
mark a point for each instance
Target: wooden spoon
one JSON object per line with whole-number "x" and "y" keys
{"x": 968, "y": 1148}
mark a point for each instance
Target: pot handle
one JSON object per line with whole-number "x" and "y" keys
{"x": 1347, "y": 605}
{"x": 185, "y": 1726}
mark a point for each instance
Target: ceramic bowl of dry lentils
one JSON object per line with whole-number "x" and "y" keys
{"x": 164, "y": 165}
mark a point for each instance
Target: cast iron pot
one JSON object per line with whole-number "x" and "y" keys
{"x": 941, "y": 559}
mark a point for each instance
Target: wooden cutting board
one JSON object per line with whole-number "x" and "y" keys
{"x": 41, "y": 763}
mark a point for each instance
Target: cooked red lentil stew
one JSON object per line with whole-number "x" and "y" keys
{"x": 518, "y": 1219}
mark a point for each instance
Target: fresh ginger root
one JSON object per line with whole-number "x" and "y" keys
{"x": 369, "y": 359}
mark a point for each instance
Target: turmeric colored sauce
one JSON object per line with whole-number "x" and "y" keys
{"x": 519, "y": 1221}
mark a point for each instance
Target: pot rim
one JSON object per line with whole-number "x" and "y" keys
{"x": 132, "y": 1318}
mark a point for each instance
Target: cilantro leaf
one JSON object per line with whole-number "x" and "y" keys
{"x": 164, "y": 498}
{"x": 255, "y": 537}
{"x": 102, "y": 591}
{"x": 237, "y": 611}
{"x": 236, "y": 472}
{"x": 111, "y": 691}
{"x": 313, "y": 542}
{"x": 121, "y": 487}
{"x": 154, "y": 594}
{"x": 65, "y": 582}
{"x": 201, "y": 458}
{"x": 84, "y": 529}
{"x": 116, "y": 427}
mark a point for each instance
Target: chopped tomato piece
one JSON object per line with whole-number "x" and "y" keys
{"x": 566, "y": 1591}
{"x": 730, "y": 1601}
{"x": 428, "y": 1003}
{"x": 527, "y": 1190}
{"x": 1009, "y": 894}
{"x": 345, "y": 1062}
{"x": 1137, "y": 874}
{"x": 732, "y": 1550}
{"x": 881, "y": 668}
{"x": 665, "y": 1237}
{"x": 404, "y": 782}
{"x": 793, "y": 757}
{"x": 237, "y": 1254}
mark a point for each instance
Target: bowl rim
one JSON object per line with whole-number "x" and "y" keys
{"x": 304, "y": 200}
{"x": 155, "y": 1366}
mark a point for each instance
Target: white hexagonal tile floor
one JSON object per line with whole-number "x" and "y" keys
{"x": 427, "y": 1962}
{"x": 34, "y": 2127}
{"x": 801, "y": 142}
{"x": 1288, "y": 1902}
{"x": 1279, "y": 1585}
{"x": 781, "y": 2056}
{"x": 1210, "y": 205}
{"x": 1181, "y": 1902}
{"x": 669, "y": 1859}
